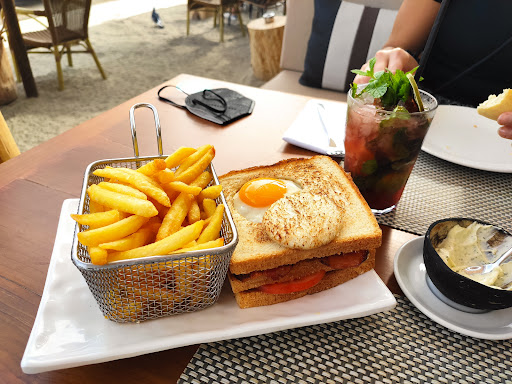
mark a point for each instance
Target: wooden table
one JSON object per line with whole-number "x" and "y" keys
{"x": 34, "y": 185}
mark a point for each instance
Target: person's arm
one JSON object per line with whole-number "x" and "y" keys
{"x": 410, "y": 32}
{"x": 505, "y": 119}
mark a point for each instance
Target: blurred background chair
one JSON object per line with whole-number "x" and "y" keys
{"x": 263, "y": 5}
{"x": 218, "y": 7}
{"x": 66, "y": 26}
{"x": 8, "y": 147}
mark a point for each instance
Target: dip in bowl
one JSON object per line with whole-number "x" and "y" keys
{"x": 451, "y": 245}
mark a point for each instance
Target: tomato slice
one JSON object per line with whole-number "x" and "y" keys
{"x": 346, "y": 260}
{"x": 294, "y": 285}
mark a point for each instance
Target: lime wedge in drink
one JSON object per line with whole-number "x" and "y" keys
{"x": 416, "y": 92}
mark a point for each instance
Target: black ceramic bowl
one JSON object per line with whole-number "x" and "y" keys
{"x": 455, "y": 287}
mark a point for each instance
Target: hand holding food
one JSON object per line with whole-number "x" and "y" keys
{"x": 505, "y": 119}
{"x": 499, "y": 108}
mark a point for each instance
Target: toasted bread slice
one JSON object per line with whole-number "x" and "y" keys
{"x": 319, "y": 175}
{"x": 256, "y": 298}
{"x": 496, "y": 105}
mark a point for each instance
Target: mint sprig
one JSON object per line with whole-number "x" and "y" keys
{"x": 390, "y": 88}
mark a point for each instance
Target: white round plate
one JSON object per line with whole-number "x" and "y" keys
{"x": 462, "y": 136}
{"x": 410, "y": 274}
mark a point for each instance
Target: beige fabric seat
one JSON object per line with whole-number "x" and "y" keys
{"x": 288, "y": 81}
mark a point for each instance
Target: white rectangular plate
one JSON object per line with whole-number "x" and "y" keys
{"x": 71, "y": 331}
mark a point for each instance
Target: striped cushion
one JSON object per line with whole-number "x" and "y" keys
{"x": 344, "y": 36}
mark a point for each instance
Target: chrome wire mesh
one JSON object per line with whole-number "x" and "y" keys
{"x": 156, "y": 286}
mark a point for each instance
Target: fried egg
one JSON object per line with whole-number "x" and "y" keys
{"x": 255, "y": 196}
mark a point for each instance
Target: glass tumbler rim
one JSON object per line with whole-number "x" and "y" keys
{"x": 386, "y": 112}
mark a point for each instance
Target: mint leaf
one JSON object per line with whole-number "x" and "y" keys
{"x": 404, "y": 93}
{"x": 376, "y": 89}
{"x": 359, "y": 72}
{"x": 390, "y": 88}
{"x": 353, "y": 86}
{"x": 412, "y": 71}
{"x": 369, "y": 72}
{"x": 371, "y": 64}
{"x": 369, "y": 167}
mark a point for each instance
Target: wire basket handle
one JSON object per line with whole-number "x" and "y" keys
{"x": 134, "y": 132}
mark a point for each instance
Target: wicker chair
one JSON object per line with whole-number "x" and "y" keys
{"x": 67, "y": 26}
{"x": 8, "y": 147}
{"x": 218, "y": 7}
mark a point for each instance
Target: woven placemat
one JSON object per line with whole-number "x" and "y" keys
{"x": 438, "y": 189}
{"x": 401, "y": 345}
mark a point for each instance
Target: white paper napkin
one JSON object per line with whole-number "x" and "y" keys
{"x": 308, "y": 132}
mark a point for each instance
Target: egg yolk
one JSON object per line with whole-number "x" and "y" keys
{"x": 262, "y": 192}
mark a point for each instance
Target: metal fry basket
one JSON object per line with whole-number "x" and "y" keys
{"x": 156, "y": 286}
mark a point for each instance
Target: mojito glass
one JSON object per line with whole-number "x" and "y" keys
{"x": 381, "y": 147}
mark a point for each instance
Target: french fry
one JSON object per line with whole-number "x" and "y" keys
{"x": 154, "y": 223}
{"x": 98, "y": 256}
{"x": 185, "y": 273}
{"x": 193, "y": 158}
{"x": 192, "y": 172}
{"x": 189, "y": 245}
{"x": 178, "y": 156}
{"x": 98, "y": 219}
{"x": 212, "y": 230}
{"x": 95, "y": 207}
{"x": 196, "y": 247}
{"x": 124, "y": 189}
{"x": 209, "y": 206}
{"x": 160, "y": 208}
{"x": 124, "y": 215}
{"x": 202, "y": 180}
{"x": 175, "y": 216}
{"x": 125, "y": 309}
{"x": 137, "y": 239}
{"x": 118, "y": 230}
{"x": 154, "y": 211}
{"x": 161, "y": 247}
{"x": 194, "y": 213}
{"x": 210, "y": 193}
{"x": 182, "y": 187}
{"x": 121, "y": 201}
{"x": 140, "y": 181}
{"x": 165, "y": 176}
{"x": 151, "y": 168}
{"x": 154, "y": 294}
{"x": 171, "y": 193}
{"x": 207, "y": 220}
